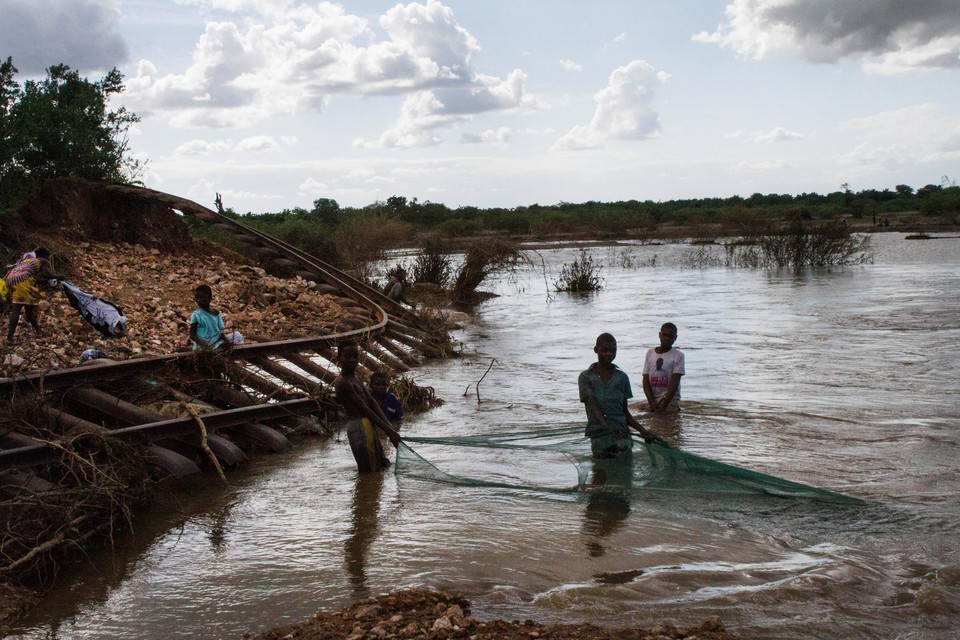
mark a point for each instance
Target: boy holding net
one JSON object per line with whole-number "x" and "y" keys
{"x": 604, "y": 391}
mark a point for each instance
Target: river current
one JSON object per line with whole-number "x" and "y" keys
{"x": 846, "y": 379}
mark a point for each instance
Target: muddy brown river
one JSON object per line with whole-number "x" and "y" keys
{"x": 846, "y": 379}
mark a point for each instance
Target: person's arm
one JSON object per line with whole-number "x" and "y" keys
{"x": 44, "y": 274}
{"x": 361, "y": 405}
{"x": 631, "y": 421}
{"x": 648, "y": 392}
{"x": 194, "y": 336}
{"x": 671, "y": 392}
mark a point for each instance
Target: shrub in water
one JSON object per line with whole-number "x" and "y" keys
{"x": 432, "y": 265}
{"x": 484, "y": 258}
{"x": 583, "y": 274}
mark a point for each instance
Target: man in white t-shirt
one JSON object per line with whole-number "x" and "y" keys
{"x": 662, "y": 370}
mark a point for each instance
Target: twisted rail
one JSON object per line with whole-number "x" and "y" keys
{"x": 286, "y": 376}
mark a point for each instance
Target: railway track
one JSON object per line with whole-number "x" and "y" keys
{"x": 230, "y": 405}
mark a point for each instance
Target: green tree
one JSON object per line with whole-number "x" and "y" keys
{"x": 62, "y": 127}
{"x": 327, "y": 211}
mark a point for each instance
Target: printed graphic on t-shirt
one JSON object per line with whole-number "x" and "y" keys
{"x": 658, "y": 377}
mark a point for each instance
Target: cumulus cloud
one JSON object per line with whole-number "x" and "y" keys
{"x": 278, "y": 58}
{"x": 203, "y": 147}
{"x": 425, "y": 113}
{"x": 312, "y": 187}
{"x": 490, "y": 136}
{"x": 621, "y": 37}
{"x": 777, "y": 134}
{"x": 209, "y": 147}
{"x": 889, "y": 35}
{"x": 570, "y": 65}
{"x": 908, "y": 137}
{"x": 81, "y": 33}
{"x": 258, "y": 143}
{"x": 624, "y": 109}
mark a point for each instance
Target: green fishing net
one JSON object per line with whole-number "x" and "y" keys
{"x": 560, "y": 460}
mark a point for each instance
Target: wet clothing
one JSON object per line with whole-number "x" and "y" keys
{"x": 610, "y": 395}
{"x": 366, "y": 446}
{"x": 392, "y": 408}
{"x": 660, "y": 367}
{"x": 209, "y": 328}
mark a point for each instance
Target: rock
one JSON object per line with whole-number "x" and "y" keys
{"x": 368, "y": 611}
{"x": 455, "y": 613}
{"x": 711, "y": 624}
{"x": 13, "y": 360}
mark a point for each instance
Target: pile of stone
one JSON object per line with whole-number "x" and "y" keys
{"x": 155, "y": 292}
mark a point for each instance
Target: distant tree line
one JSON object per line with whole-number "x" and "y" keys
{"x": 736, "y": 214}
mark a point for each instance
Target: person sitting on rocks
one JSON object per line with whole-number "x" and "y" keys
{"x": 397, "y": 284}
{"x": 206, "y": 324}
{"x": 28, "y": 281}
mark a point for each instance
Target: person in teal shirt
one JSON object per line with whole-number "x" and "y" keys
{"x": 206, "y": 323}
{"x": 604, "y": 391}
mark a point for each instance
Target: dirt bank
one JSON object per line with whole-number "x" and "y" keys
{"x": 419, "y": 614}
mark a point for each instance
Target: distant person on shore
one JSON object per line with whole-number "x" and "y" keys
{"x": 388, "y": 402}
{"x": 27, "y": 283}
{"x": 662, "y": 370}
{"x": 604, "y": 391}
{"x": 206, "y": 324}
{"x": 363, "y": 413}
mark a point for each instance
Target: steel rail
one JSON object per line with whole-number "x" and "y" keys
{"x": 96, "y": 372}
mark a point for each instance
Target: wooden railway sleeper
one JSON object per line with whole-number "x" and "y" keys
{"x": 226, "y": 452}
{"x": 169, "y": 460}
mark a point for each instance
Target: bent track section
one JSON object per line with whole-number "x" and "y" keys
{"x": 253, "y": 396}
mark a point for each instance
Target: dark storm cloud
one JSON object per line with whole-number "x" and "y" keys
{"x": 871, "y": 27}
{"x": 890, "y": 36}
{"x": 80, "y": 33}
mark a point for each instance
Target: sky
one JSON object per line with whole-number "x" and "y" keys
{"x": 276, "y": 103}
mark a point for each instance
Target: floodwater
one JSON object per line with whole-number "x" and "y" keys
{"x": 846, "y": 379}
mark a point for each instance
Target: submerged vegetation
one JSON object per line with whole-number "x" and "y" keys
{"x": 483, "y": 259}
{"x": 432, "y": 264}
{"x": 795, "y": 246}
{"x": 581, "y": 275}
